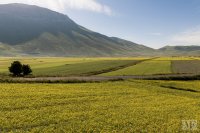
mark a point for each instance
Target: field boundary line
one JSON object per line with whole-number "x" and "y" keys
{"x": 178, "y": 88}
{"x": 117, "y": 68}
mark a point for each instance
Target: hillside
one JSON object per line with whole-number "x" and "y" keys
{"x": 180, "y": 50}
{"x": 36, "y": 31}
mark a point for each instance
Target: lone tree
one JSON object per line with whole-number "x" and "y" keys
{"x": 26, "y": 69}
{"x": 16, "y": 68}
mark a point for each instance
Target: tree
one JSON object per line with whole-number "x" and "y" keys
{"x": 16, "y": 68}
{"x": 26, "y": 69}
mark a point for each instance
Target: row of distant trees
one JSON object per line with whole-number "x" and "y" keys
{"x": 19, "y": 69}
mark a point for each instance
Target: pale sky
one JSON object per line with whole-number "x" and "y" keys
{"x": 154, "y": 23}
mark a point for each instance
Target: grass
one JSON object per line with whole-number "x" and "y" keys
{"x": 67, "y": 66}
{"x": 175, "y": 58}
{"x": 89, "y": 68}
{"x": 61, "y": 67}
{"x": 120, "y": 106}
{"x": 40, "y": 62}
{"x": 123, "y": 106}
{"x": 187, "y": 66}
{"x": 192, "y": 85}
{"x": 49, "y": 66}
{"x": 145, "y": 68}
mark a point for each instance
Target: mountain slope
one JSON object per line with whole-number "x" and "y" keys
{"x": 180, "y": 50}
{"x": 32, "y": 30}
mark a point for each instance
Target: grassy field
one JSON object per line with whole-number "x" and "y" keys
{"x": 144, "y": 68}
{"x": 125, "y": 106}
{"x": 106, "y": 66}
{"x": 120, "y": 106}
{"x": 189, "y": 66}
{"x": 88, "y": 68}
{"x": 68, "y": 66}
{"x": 177, "y": 58}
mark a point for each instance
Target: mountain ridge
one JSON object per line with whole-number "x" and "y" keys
{"x": 29, "y": 30}
{"x": 191, "y": 50}
{"x": 32, "y": 30}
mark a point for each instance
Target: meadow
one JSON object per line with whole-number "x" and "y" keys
{"x": 106, "y": 66}
{"x": 70, "y": 66}
{"x": 125, "y": 106}
{"x": 161, "y": 66}
{"x": 188, "y": 66}
{"x": 144, "y": 68}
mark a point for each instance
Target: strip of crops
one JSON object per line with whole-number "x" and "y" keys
{"x": 175, "y": 58}
{"x": 187, "y": 66}
{"x": 144, "y": 68}
{"x": 88, "y": 68}
{"x": 129, "y": 106}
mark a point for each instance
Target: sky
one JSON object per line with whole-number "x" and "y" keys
{"x": 154, "y": 23}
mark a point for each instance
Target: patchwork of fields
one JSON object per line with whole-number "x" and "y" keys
{"x": 117, "y": 106}
{"x": 70, "y": 66}
{"x": 126, "y": 106}
{"x": 88, "y": 68}
{"x": 186, "y": 65}
{"x": 144, "y": 68}
{"x": 106, "y": 66}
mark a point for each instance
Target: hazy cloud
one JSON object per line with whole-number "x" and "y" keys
{"x": 191, "y": 37}
{"x": 62, "y": 5}
{"x": 155, "y": 34}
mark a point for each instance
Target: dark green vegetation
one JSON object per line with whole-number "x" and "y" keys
{"x": 35, "y": 31}
{"x": 17, "y": 69}
{"x": 187, "y": 66}
{"x": 123, "y": 106}
{"x": 26, "y": 69}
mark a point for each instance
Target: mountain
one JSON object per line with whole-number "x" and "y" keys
{"x": 36, "y": 31}
{"x": 180, "y": 50}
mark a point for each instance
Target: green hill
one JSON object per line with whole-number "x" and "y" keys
{"x": 36, "y": 31}
{"x": 180, "y": 50}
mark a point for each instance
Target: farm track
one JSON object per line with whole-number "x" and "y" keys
{"x": 85, "y": 79}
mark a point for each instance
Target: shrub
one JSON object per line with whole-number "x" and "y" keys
{"x": 16, "y": 68}
{"x": 26, "y": 69}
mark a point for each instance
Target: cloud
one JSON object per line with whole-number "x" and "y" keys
{"x": 155, "y": 34}
{"x": 62, "y": 5}
{"x": 191, "y": 37}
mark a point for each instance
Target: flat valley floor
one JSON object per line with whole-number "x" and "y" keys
{"x": 127, "y": 105}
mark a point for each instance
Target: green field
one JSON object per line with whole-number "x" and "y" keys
{"x": 68, "y": 66}
{"x": 118, "y": 106}
{"x": 144, "y": 68}
{"x": 88, "y": 68}
{"x": 188, "y": 66}
{"x": 52, "y": 67}
{"x": 126, "y": 106}
{"x": 177, "y": 58}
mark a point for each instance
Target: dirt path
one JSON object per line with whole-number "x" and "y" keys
{"x": 83, "y": 79}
